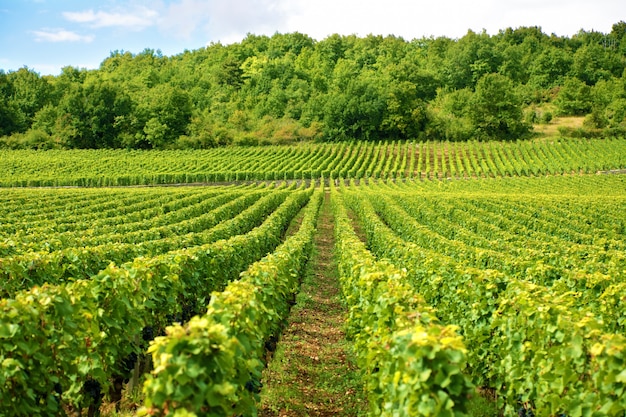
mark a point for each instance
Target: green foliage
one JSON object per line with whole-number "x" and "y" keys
{"x": 412, "y": 364}
{"x": 212, "y": 365}
{"x": 341, "y": 87}
{"x": 546, "y": 117}
{"x": 59, "y": 260}
{"x": 550, "y": 67}
{"x": 89, "y": 116}
{"x": 450, "y": 116}
{"x": 593, "y": 62}
{"x": 537, "y": 303}
{"x": 473, "y": 56}
{"x": 165, "y": 114}
{"x": 31, "y": 139}
{"x": 515, "y": 280}
{"x": 11, "y": 118}
{"x": 433, "y": 159}
{"x": 496, "y": 110}
{"x": 574, "y": 98}
{"x": 66, "y": 334}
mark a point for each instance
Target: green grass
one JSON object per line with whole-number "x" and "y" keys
{"x": 482, "y": 406}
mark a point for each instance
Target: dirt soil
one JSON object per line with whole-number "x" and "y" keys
{"x": 312, "y": 373}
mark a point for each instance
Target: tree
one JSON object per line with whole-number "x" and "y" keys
{"x": 30, "y": 92}
{"x": 496, "y": 109}
{"x": 230, "y": 73}
{"x": 90, "y": 116}
{"x": 281, "y": 44}
{"x": 354, "y": 108}
{"x": 11, "y": 118}
{"x": 616, "y": 113}
{"x": 618, "y": 35}
{"x": 592, "y": 63}
{"x": 347, "y": 87}
{"x": 574, "y": 98}
{"x": 550, "y": 67}
{"x": 163, "y": 116}
{"x": 406, "y": 89}
{"x": 449, "y": 116}
{"x": 469, "y": 59}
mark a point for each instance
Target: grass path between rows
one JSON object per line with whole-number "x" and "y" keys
{"x": 313, "y": 372}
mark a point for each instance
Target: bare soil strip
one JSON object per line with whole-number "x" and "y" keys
{"x": 312, "y": 372}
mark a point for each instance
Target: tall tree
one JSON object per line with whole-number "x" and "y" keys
{"x": 91, "y": 116}
{"x": 30, "y": 92}
{"x": 11, "y": 117}
{"x": 496, "y": 109}
{"x": 574, "y": 98}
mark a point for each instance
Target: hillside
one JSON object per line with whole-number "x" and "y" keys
{"x": 289, "y": 88}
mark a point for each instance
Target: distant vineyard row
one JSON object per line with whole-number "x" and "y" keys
{"x": 426, "y": 160}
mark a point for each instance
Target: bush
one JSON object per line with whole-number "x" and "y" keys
{"x": 194, "y": 142}
{"x": 31, "y": 139}
{"x": 595, "y": 120}
{"x": 247, "y": 140}
{"x": 496, "y": 109}
{"x": 574, "y": 98}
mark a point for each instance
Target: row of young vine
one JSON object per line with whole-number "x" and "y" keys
{"x": 424, "y": 160}
{"x": 511, "y": 283}
{"x": 212, "y": 364}
{"x": 411, "y": 362}
{"x": 73, "y": 323}
{"x": 535, "y": 283}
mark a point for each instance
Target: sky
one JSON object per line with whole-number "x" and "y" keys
{"x": 47, "y": 35}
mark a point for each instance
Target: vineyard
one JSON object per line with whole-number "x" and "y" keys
{"x": 467, "y": 269}
{"x": 533, "y": 280}
{"x": 385, "y": 160}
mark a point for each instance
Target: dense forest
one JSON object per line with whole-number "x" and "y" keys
{"x": 290, "y": 87}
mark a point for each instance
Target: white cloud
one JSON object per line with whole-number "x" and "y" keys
{"x": 183, "y": 18}
{"x": 416, "y": 18}
{"x": 60, "y": 35}
{"x": 221, "y": 20}
{"x": 229, "y": 21}
{"x": 137, "y": 19}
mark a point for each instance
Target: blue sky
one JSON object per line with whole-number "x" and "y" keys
{"x": 46, "y": 35}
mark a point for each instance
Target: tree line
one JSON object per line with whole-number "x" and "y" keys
{"x": 289, "y": 87}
